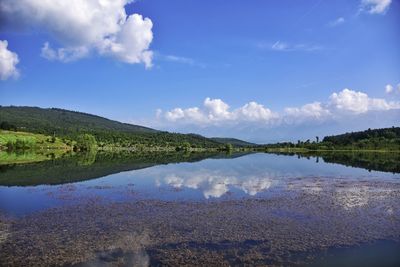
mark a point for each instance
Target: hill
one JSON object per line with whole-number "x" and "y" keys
{"x": 70, "y": 124}
{"x": 47, "y": 120}
{"x": 233, "y": 141}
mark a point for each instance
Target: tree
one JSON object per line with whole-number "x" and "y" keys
{"x": 186, "y": 146}
{"x": 228, "y": 147}
{"x": 7, "y": 126}
{"x": 317, "y": 139}
{"x": 85, "y": 142}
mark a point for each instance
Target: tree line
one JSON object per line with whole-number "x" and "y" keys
{"x": 376, "y": 139}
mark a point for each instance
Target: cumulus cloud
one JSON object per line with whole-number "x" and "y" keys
{"x": 375, "y": 6}
{"x": 253, "y": 111}
{"x": 82, "y": 26}
{"x": 215, "y": 112}
{"x": 131, "y": 43}
{"x": 190, "y": 114}
{"x": 217, "y": 109}
{"x": 337, "y": 22}
{"x": 8, "y": 62}
{"x": 359, "y": 102}
{"x": 313, "y": 111}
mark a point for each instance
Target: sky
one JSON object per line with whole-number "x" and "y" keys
{"x": 263, "y": 71}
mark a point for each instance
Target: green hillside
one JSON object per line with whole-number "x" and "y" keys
{"x": 233, "y": 141}
{"x": 70, "y": 124}
{"x": 62, "y": 121}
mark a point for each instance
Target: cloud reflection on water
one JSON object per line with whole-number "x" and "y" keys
{"x": 217, "y": 185}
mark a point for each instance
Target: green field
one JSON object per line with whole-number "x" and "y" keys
{"x": 23, "y": 140}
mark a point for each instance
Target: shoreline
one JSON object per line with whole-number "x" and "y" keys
{"x": 51, "y": 154}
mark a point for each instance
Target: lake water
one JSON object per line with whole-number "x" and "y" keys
{"x": 214, "y": 209}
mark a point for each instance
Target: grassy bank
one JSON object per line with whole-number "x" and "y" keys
{"x": 10, "y": 140}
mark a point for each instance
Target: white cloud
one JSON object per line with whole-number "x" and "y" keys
{"x": 280, "y": 46}
{"x": 313, "y": 111}
{"x": 81, "y": 26}
{"x": 131, "y": 44}
{"x": 359, "y": 102}
{"x": 388, "y": 88}
{"x": 63, "y": 54}
{"x": 253, "y": 111}
{"x": 217, "y": 109}
{"x": 375, "y": 6}
{"x": 337, "y": 22}
{"x": 286, "y": 47}
{"x": 349, "y": 100}
{"x": 215, "y": 112}
{"x": 159, "y": 112}
{"x": 179, "y": 59}
{"x": 194, "y": 115}
{"x": 8, "y": 62}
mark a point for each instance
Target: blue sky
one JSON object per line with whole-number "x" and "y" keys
{"x": 281, "y": 66}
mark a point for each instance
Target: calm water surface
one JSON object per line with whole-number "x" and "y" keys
{"x": 224, "y": 182}
{"x": 250, "y": 176}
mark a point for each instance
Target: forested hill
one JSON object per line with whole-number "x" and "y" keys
{"x": 365, "y": 137}
{"x": 233, "y": 141}
{"x": 62, "y": 121}
{"x": 70, "y": 124}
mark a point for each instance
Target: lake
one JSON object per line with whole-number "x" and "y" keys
{"x": 202, "y": 209}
